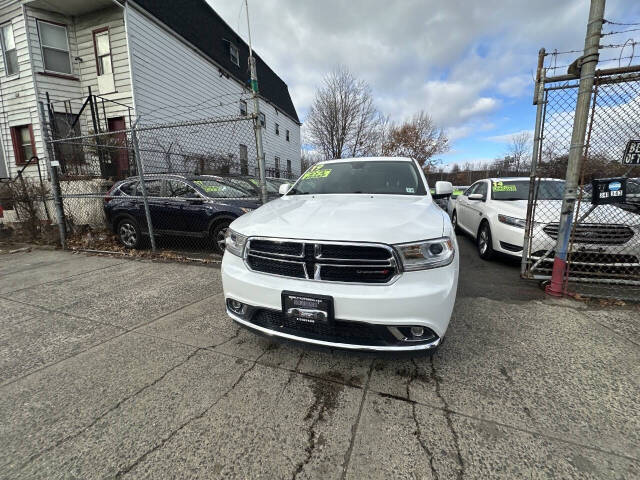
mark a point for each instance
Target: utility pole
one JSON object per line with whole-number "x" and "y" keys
{"x": 588, "y": 64}
{"x": 256, "y": 112}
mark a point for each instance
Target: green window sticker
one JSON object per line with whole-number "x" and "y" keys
{"x": 207, "y": 188}
{"x": 501, "y": 187}
{"x": 317, "y": 173}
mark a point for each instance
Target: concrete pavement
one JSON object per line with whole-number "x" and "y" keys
{"x": 131, "y": 369}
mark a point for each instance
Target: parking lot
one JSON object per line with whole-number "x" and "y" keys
{"x": 118, "y": 368}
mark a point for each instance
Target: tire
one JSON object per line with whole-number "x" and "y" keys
{"x": 484, "y": 242}
{"x": 454, "y": 222}
{"x": 129, "y": 233}
{"x": 218, "y": 231}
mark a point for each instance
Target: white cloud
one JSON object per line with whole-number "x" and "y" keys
{"x": 507, "y": 137}
{"x": 454, "y": 60}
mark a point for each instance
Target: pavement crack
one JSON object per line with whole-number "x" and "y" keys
{"x": 177, "y": 430}
{"x": 447, "y": 416}
{"x": 418, "y": 430}
{"x": 108, "y": 411}
{"x": 354, "y": 427}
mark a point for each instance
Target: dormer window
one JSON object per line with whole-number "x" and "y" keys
{"x": 234, "y": 54}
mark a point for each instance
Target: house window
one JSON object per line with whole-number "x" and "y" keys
{"x": 277, "y": 169}
{"x": 102, "y": 49}
{"x": 263, "y": 120}
{"x": 244, "y": 160}
{"x": 289, "y": 168}
{"x": 243, "y": 108}
{"x": 287, "y": 135}
{"x": 55, "y": 47}
{"x": 234, "y": 55}
{"x": 277, "y": 129}
{"x": 9, "y": 49}
{"x": 23, "y": 144}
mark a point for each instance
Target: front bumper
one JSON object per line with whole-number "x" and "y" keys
{"x": 422, "y": 298}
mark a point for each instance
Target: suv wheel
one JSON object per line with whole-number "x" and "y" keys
{"x": 484, "y": 242}
{"x": 218, "y": 232}
{"x": 454, "y": 222}
{"x": 129, "y": 233}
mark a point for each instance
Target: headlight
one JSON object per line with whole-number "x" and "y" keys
{"x": 235, "y": 242}
{"x": 514, "y": 222}
{"x": 246, "y": 210}
{"x": 427, "y": 254}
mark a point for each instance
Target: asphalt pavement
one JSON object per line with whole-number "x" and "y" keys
{"x": 130, "y": 369}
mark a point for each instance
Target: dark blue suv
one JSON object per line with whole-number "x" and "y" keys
{"x": 195, "y": 206}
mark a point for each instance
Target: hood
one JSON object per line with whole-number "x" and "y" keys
{"x": 359, "y": 218}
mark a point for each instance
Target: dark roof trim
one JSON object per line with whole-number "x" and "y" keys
{"x": 202, "y": 27}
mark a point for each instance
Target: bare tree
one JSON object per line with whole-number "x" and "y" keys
{"x": 418, "y": 138}
{"x": 519, "y": 150}
{"x": 343, "y": 120}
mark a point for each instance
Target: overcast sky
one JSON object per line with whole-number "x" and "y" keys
{"x": 469, "y": 64}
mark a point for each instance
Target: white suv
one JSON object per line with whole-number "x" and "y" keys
{"x": 354, "y": 255}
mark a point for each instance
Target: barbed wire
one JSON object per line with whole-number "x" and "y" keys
{"x": 621, "y": 31}
{"x": 619, "y": 23}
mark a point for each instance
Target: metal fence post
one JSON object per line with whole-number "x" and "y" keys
{"x": 587, "y": 75}
{"x": 538, "y": 100}
{"x": 145, "y": 200}
{"x": 52, "y": 166}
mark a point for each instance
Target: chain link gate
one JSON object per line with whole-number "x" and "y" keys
{"x": 604, "y": 243}
{"x": 168, "y": 154}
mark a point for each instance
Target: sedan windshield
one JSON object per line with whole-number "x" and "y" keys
{"x": 217, "y": 189}
{"x": 519, "y": 190}
{"x": 368, "y": 177}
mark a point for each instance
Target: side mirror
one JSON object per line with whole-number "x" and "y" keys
{"x": 284, "y": 188}
{"x": 443, "y": 189}
{"x": 476, "y": 196}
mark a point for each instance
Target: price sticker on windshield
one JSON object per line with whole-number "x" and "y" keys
{"x": 317, "y": 173}
{"x": 499, "y": 186}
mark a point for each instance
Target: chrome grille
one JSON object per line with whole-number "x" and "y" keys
{"x": 595, "y": 233}
{"x": 323, "y": 261}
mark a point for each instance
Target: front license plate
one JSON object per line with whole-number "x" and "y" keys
{"x": 306, "y": 308}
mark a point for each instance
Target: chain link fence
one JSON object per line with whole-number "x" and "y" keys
{"x": 604, "y": 243}
{"x": 174, "y": 187}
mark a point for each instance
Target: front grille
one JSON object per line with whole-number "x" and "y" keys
{"x": 332, "y": 262}
{"x": 595, "y": 233}
{"x": 339, "y": 331}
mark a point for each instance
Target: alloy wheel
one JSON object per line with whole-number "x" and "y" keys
{"x": 483, "y": 241}
{"x": 128, "y": 234}
{"x": 220, "y": 239}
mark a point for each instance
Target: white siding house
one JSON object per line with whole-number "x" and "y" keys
{"x": 147, "y": 59}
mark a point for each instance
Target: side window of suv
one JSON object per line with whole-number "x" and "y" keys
{"x": 129, "y": 188}
{"x": 176, "y": 188}
{"x": 154, "y": 188}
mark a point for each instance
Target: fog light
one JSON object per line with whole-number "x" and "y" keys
{"x": 236, "y": 306}
{"x": 417, "y": 331}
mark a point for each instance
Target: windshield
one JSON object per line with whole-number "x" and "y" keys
{"x": 368, "y": 177}
{"x": 519, "y": 190}
{"x": 217, "y": 189}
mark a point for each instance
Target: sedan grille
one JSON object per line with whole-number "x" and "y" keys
{"x": 595, "y": 233}
{"x": 332, "y": 262}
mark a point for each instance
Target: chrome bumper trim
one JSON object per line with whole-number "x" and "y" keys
{"x": 347, "y": 346}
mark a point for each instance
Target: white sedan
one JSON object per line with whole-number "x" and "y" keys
{"x": 494, "y": 210}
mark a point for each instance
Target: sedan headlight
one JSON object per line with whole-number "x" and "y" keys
{"x": 427, "y": 254}
{"x": 235, "y": 242}
{"x": 514, "y": 222}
